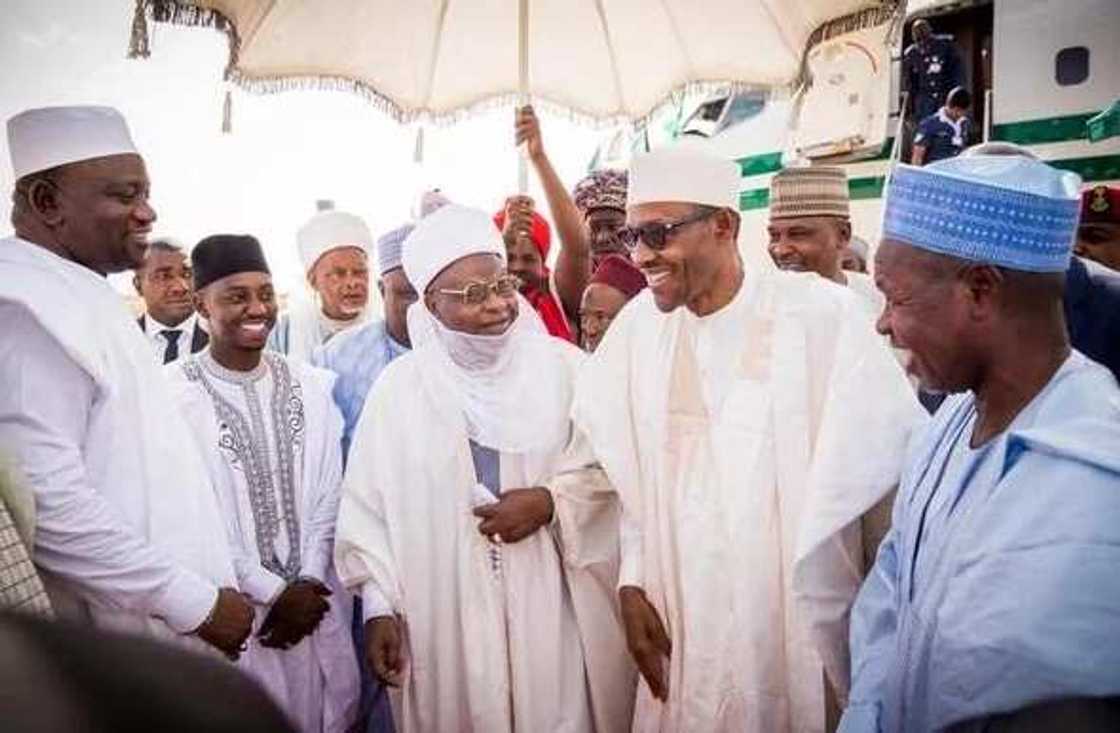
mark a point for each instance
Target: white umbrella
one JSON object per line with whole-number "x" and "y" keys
{"x": 438, "y": 59}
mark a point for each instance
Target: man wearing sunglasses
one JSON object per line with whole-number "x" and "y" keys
{"x": 474, "y": 523}
{"x": 731, "y": 410}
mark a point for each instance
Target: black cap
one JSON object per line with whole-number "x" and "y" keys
{"x": 221, "y": 255}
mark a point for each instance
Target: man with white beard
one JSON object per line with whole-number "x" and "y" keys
{"x": 481, "y": 535}
{"x": 732, "y": 410}
{"x": 334, "y": 247}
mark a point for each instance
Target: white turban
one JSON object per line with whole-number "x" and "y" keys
{"x": 329, "y": 230}
{"x": 445, "y": 236}
{"x": 684, "y": 173}
{"x": 44, "y": 138}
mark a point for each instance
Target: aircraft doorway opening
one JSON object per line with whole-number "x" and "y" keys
{"x": 970, "y": 27}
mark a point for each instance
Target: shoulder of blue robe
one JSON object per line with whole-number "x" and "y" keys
{"x": 1031, "y": 611}
{"x": 351, "y": 345}
{"x": 280, "y": 337}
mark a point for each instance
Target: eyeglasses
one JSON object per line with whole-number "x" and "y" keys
{"x": 656, "y": 234}
{"x": 477, "y": 293}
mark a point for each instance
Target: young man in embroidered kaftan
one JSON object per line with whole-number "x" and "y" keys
{"x": 994, "y": 602}
{"x": 127, "y": 529}
{"x": 271, "y": 436}
{"x": 474, "y": 523}
{"x": 732, "y": 410}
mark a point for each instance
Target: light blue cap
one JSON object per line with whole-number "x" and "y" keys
{"x": 1004, "y": 210}
{"x": 389, "y": 248}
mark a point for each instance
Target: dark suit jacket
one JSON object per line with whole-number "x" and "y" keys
{"x": 1092, "y": 306}
{"x": 199, "y": 339}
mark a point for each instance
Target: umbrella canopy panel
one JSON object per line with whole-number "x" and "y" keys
{"x": 434, "y": 59}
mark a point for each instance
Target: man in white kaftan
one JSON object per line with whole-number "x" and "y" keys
{"x": 508, "y": 624}
{"x": 334, "y": 248}
{"x": 127, "y": 532}
{"x": 736, "y": 431}
{"x": 271, "y": 436}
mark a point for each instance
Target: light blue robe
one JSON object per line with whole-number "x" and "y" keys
{"x": 357, "y": 356}
{"x": 998, "y": 585}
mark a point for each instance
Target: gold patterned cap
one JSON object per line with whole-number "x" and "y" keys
{"x": 810, "y": 191}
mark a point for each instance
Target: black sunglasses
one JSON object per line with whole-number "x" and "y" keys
{"x": 656, "y": 234}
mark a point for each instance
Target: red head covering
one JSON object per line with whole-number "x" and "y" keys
{"x": 617, "y": 272}
{"x": 1101, "y": 205}
{"x": 540, "y": 233}
{"x": 544, "y": 303}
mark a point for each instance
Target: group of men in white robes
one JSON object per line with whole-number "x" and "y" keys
{"x": 667, "y": 535}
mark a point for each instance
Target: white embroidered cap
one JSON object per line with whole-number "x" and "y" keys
{"x": 329, "y": 230}
{"x": 47, "y": 137}
{"x": 684, "y": 173}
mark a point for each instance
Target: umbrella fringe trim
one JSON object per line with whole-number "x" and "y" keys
{"x": 181, "y": 13}
{"x": 387, "y": 106}
{"x": 185, "y": 13}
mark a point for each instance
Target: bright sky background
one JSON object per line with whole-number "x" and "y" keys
{"x": 286, "y": 150}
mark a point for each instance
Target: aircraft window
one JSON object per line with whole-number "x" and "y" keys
{"x": 1071, "y": 66}
{"x": 743, "y": 107}
{"x": 710, "y": 111}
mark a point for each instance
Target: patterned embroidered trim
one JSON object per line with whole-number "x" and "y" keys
{"x": 246, "y": 444}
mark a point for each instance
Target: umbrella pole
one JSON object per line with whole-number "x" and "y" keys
{"x": 522, "y": 88}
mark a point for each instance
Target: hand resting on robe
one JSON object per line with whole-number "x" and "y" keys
{"x": 229, "y": 624}
{"x": 295, "y": 613}
{"x": 647, "y": 639}
{"x": 517, "y": 514}
{"x": 384, "y": 649}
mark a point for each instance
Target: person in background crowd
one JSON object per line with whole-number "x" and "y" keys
{"x": 333, "y": 246}
{"x": 127, "y": 533}
{"x": 615, "y": 283}
{"x": 528, "y": 239}
{"x": 271, "y": 437}
{"x": 517, "y": 596}
{"x": 588, "y": 220}
{"x": 945, "y": 133}
{"x": 1016, "y": 483}
{"x": 359, "y": 355}
{"x": 1098, "y": 236}
{"x": 931, "y": 66}
{"x": 853, "y": 258}
{"x": 732, "y": 410}
{"x": 169, "y": 320}
{"x": 810, "y": 227}
{"x": 1092, "y": 294}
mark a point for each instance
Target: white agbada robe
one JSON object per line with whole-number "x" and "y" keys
{"x": 272, "y": 443}
{"x": 515, "y": 637}
{"x": 745, "y": 446}
{"x": 128, "y": 531}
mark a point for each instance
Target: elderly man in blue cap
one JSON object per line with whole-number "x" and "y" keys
{"x": 995, "y": 599}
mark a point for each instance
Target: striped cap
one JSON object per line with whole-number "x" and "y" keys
{"x": 820, "y": 191}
